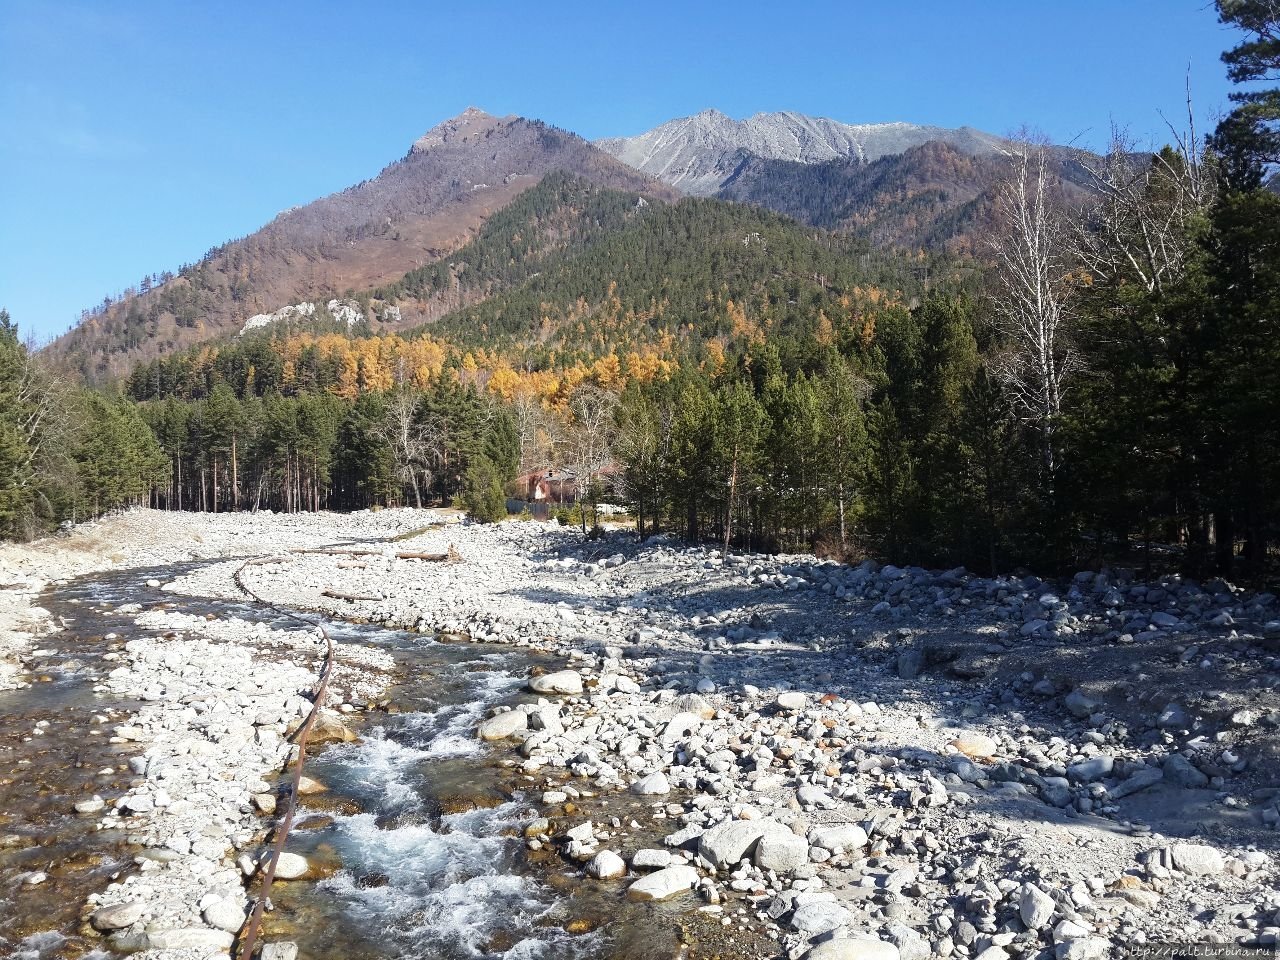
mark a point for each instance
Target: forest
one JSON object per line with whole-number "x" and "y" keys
{"x": 1099, "y": 383}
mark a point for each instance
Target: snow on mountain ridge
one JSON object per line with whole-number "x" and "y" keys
{"x": 696, "y": 154}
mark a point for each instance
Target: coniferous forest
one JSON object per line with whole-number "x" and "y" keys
{"x": 1098, "y": 381}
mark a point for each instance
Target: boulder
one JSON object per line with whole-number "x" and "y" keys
{"x": 973, "y": 744}
{"x": 117, "y": 916}
{"x": 1035, "y": 907}
{"x": 606, "y": 865}
{"x": 728, "y": 844}
{"x": 1146, "y": 777}
{"x": 1079, "y": 705}
{"x": 781, "y": 852}
{"x": 838, "y": 837}
{"x": 649, "y": 859}
{"x": 818, "y": 917}
{"x": 1197, "y": 859}
{"x": 853, "y": 948}
{"x": 190, "y": 938}
{"x": 1086, "y": 771}
{"x": 664, "y": 883}
{"x": 503, "y": 725}
{"x": 565, "y": 682}
{"x": 1178, "y": 769}
{"x": 655, "y": 784}
{"x": 284, "y": 950}
{"x": 792, "y": 701}
{"x": 222, "y": 914}
{"x": 292, "y": 866}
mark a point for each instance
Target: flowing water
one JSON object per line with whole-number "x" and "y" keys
{"x": 419, "y": 833}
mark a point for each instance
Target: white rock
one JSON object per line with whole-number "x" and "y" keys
{"x": 292, "y": 866}
{"x": 222, "y": 914}
{"x": 563, "y": 682}
{"x": 117, "y": 916}
{"x": 838, "y": 837}
{"x": 190, "y": 938}
{"x": 504, "y": 725}
{"x": 781, "y": 852}
{"x": 664, "y": 883}
{"x": 606, "y": 865}
{"x": 655, "y": 784}
{"x": 1197, "y": 859}
{"x": 853, "y": 948}
{"x": 1035, "y": 907}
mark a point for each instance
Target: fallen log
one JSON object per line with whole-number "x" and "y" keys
{"x": 450, "y": 556}
{"x": 350, "y": 597}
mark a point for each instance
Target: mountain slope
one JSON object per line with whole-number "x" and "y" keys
{"x": 697, "y": 154}
{"x": 415, "y": 211}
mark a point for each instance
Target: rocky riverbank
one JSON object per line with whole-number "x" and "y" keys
{"x": 143, "y": 538}
{"x": 868, "y": 762}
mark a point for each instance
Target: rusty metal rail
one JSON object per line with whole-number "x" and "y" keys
{"x": 253, "y": 924}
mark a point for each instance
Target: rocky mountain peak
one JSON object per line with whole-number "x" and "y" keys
{"x": 470, "y": 121}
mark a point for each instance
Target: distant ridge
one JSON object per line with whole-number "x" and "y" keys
{"x": 698, "y": 154}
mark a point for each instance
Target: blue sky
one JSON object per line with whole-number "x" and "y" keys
{"x": 136, "y": 135}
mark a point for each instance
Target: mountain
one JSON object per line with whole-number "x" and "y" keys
{"x": 698, "y": 154}
{"x": 416, "y": 211}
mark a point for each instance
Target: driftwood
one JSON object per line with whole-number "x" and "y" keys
{"x": 350, "y": 597}
{"x": 450, "y": 556}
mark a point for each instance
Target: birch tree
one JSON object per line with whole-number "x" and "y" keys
{"x": 1032, "y": 298}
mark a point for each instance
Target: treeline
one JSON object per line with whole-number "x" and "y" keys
{"x": 320, "y": 451}
{"x": 65, "y": 453}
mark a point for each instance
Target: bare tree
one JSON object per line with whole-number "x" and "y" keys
{"x": 1032, "y": 297}
{"x": 417, "y": 443}
{"x": 591, "y": 435}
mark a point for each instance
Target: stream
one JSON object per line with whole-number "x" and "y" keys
{"x": 418, "y": 835}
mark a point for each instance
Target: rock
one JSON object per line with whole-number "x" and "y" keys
{"x": 503, "y": 725}
{"x": 117, "y": 916}
{"x": 308, "y": 787}
{"x": 655, "y": 784}
{"x": 663, "y": 884}
{"x": 1079, "y": 705}
{"x": 1146, "y": 777}
{"x": 993, "y": 952}
{"x": 974, "y": 744}
{"x": 839, "y": 837}
{"x": 1083, "y": 948}
{"x": 224, "y": 915}
{"x": 816, "y": 918}
{"x": 1035, "y": 907}
{"x": 285, "y": 950}
{"x": 1173, "y": 717}
{"x": 791, "y": 701}
{"x": 909, "y": 664}
{"x": 731, "y": 842}
{"x": 1087, "y": 771}
{"x": 1181, "y": 771}
{"x": 853, "y": 948}
{"x": 93, "y": 805}
{"x": 606, "y": 865}
{"x": 264, "y": 803}
{"x": 679, "y": 727}
{"x": 563, "y": 682}
{"x": 292, "y": 866}
{"x": 329, "y": 728}
{"x": 190, "y": 938}
{"x": 649, "y": 859}
{"x": 781, "y": 852}
{"x": 1197, "y": 859}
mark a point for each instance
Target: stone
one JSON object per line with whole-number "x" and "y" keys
{"x": 655, "y": 784}
{"x": 819, "y": 917}
{"x": 117, "y": 916}
{"x": 222, "y": 914}
{"x": 1197, "y": 859}
{"x": 1181, "y": 771}
{"x": 329, "y": 728}
{"x": 190, "y": 938}
{"x": 565, "y": 682}
{"x": 606, "y": 865}
{"x": 308, "y": 787}
{"x": 993, "y": 952}
{"x": 1083, "y": 948}
{"x": 1173, "y": 717}
{"x": 650, "y": 859}
{"x": 1086, "y": 771}
{"x": 679, "y": 727}
{"x": 838, "y": 837}
{"x": 292, "y": 866}
{"x": 664, "y": 883}
{"x": 1079, "y": 705}
{"x": 284, "y": 950}
{"x": 727, "y": 844}
{"x": 1146, "y": 777}
{"x": 1035, "y": 907}
{"x": 781, "y": 852}
{"x": 92, "y": 805}
{"x": 973, "y": 744}
{"x": 791, "y": 701}
{"x": 853, "y": 948}
{"x": 504, "y": 725}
